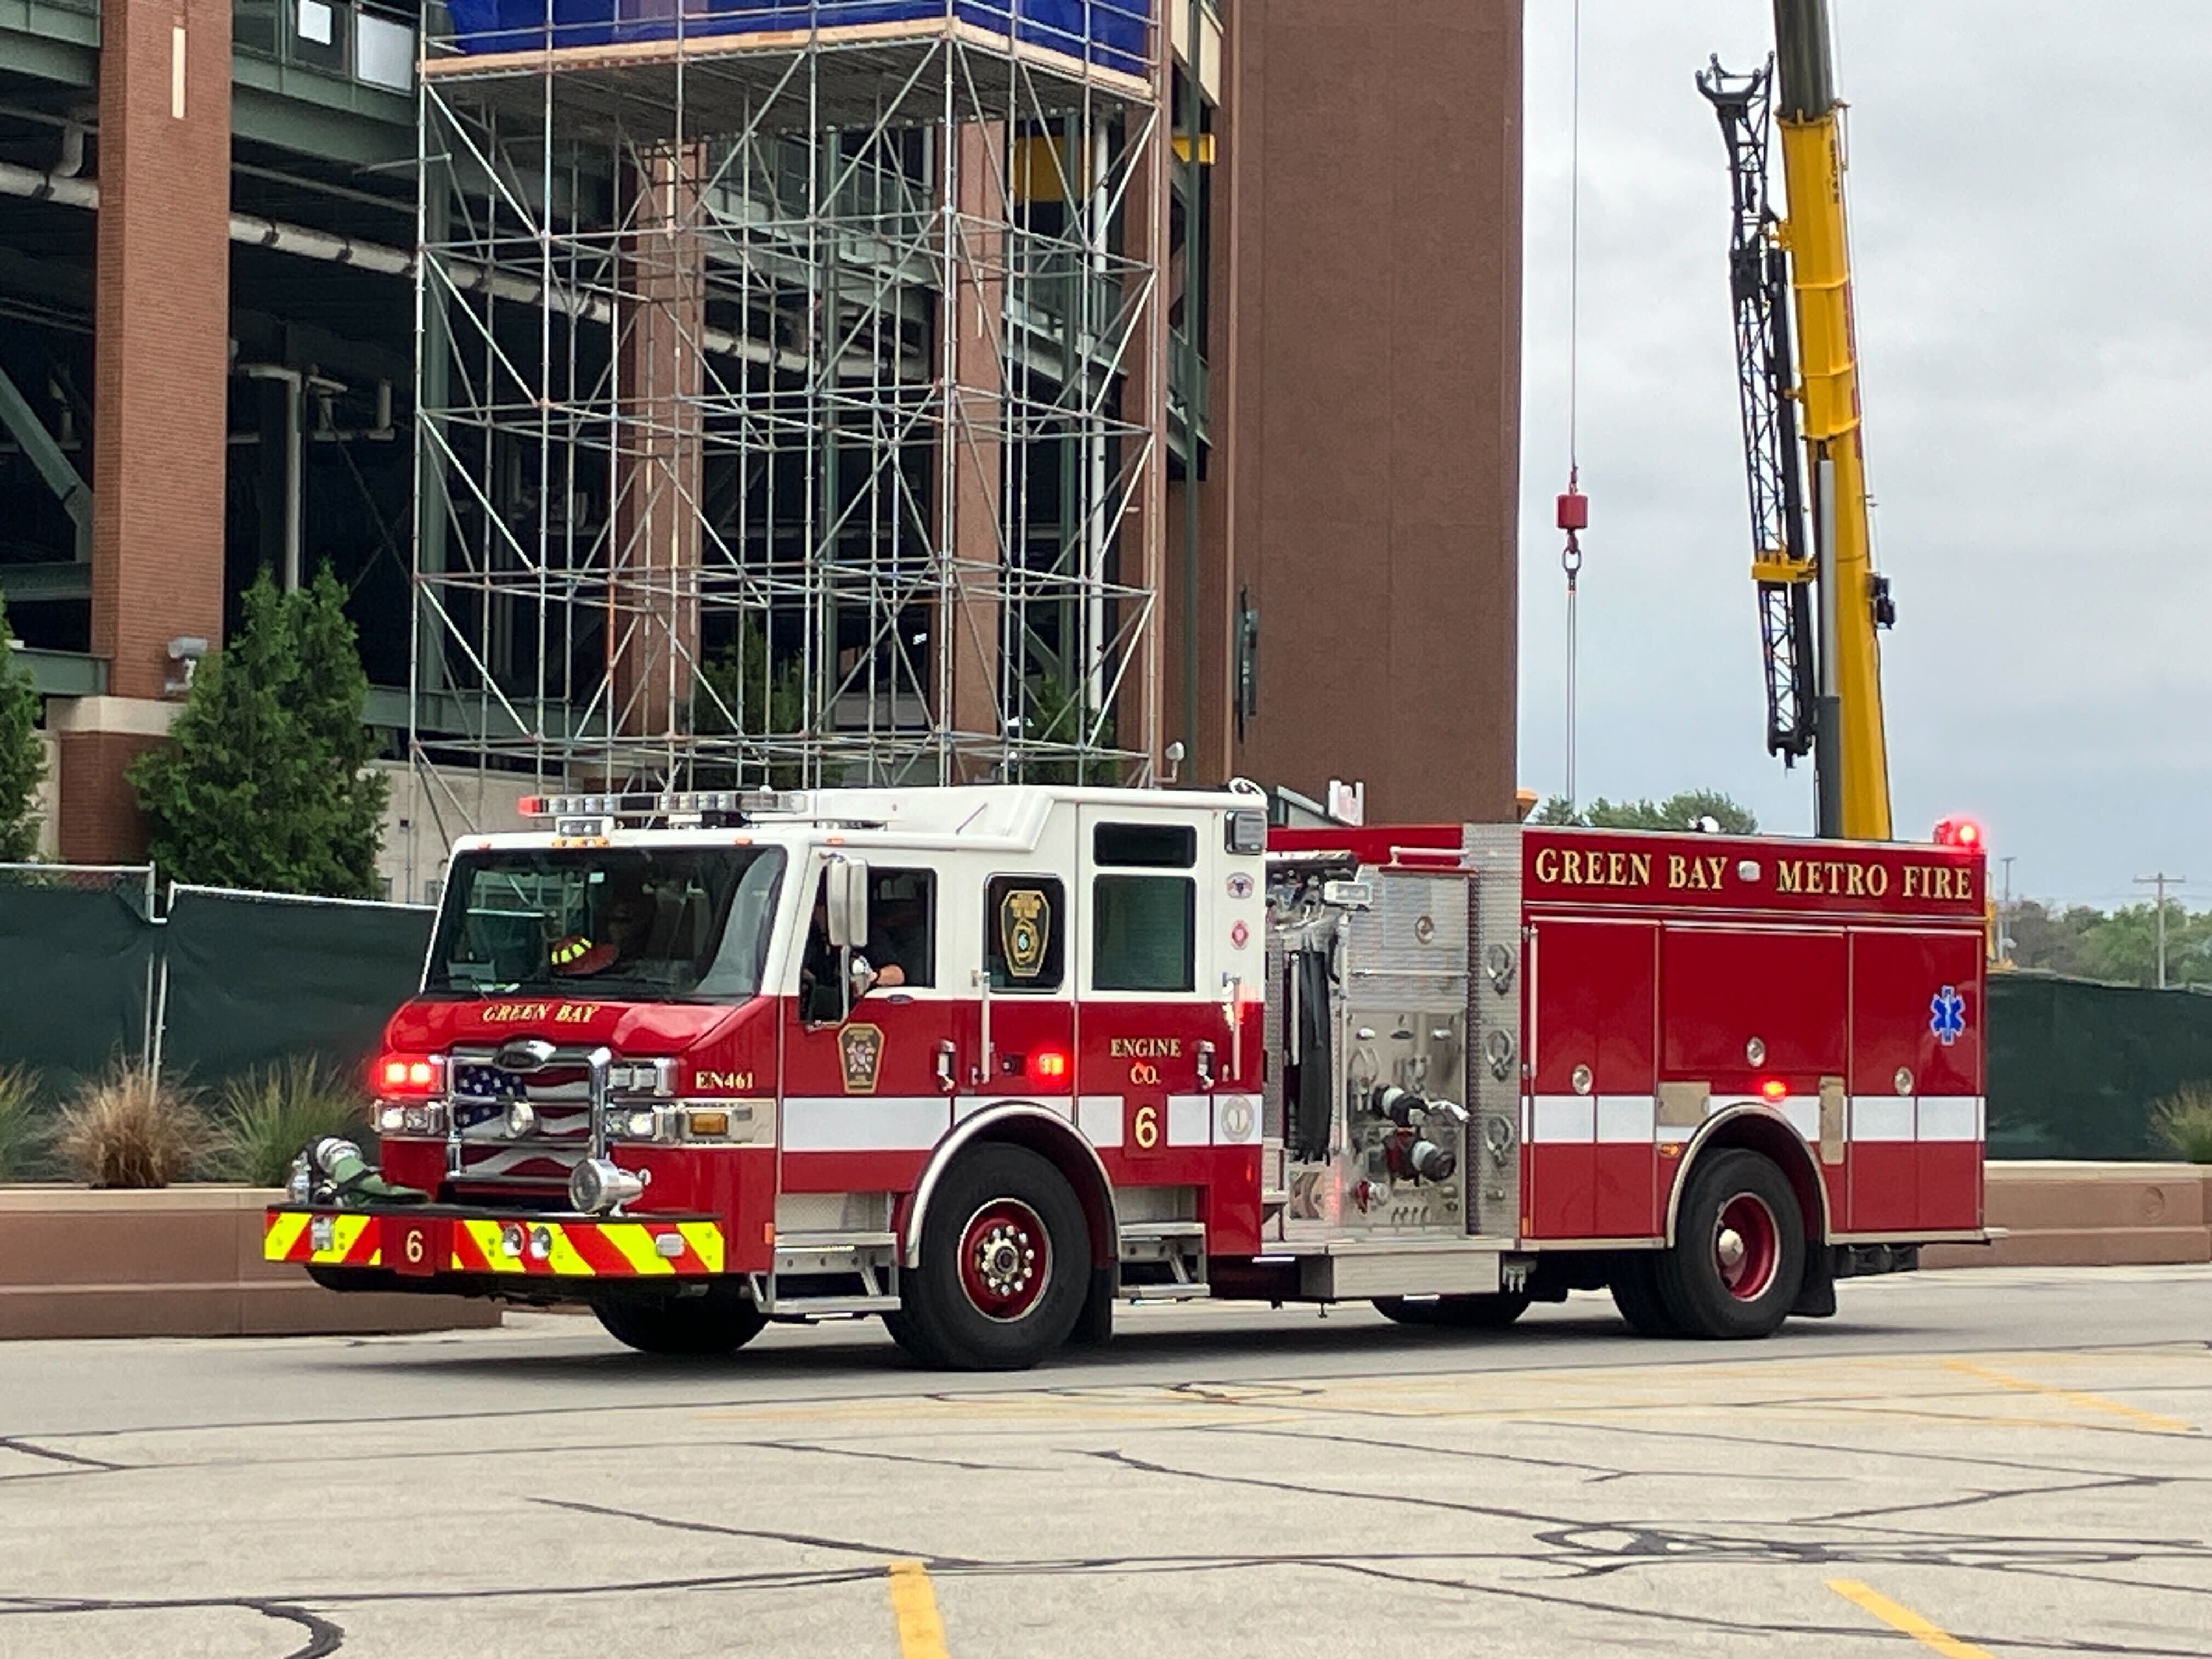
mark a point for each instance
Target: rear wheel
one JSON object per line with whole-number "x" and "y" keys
{"x": 1005, "y": 1262}
{"x": 1489, "y": 1312}
{"x": 1739, "y": 1254}
{"x": 721, "y": 1322}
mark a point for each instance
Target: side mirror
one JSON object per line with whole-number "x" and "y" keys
{"x": 848, "y": 904}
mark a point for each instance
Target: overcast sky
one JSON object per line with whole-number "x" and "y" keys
{"x": 2031, "y": 187}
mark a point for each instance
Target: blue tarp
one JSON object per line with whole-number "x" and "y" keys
{"x": 1109, "y": 32}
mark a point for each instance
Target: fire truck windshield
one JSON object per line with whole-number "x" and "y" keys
{"x": 660, "y": 924}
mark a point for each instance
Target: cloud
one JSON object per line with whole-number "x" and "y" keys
{"x": 2031, "y": 236}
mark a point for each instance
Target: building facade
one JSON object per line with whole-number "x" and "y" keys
{"x": 1227, "y": 460}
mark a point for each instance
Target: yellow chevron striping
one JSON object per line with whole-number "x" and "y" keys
{"x": 283, "y": 1232}
{"x": 705, "y": 1239}
{"x": 485, "y": 1235}
{"x": 565, "y": 1259}
{"x": 345, "y": 1233}
{"x": 636, "y": 1243}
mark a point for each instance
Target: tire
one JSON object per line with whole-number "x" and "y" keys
{"x": 1005, "y": 1265}
{"x": 721, "y": 1322}
{"x": 1634, "y": 1283}
{"x": 1739, "y": 1254}
{"x": 1493, "y": 1312}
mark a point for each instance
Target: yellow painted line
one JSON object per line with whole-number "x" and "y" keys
{"x": 914, "y": 1603}
{"x": 1904, "y": 1619}
{"x": 2093, "y": 1403}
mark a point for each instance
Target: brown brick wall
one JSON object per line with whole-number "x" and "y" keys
{"x": 98, "y": 818}
{"x": 162, "y": 348}
{"x": 1366, "y": 397}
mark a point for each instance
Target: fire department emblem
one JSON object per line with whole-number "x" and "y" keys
{"x": 861, "y": 1048}
{"x": 1024, "y": 930}
{"x": 1946, "y": 1015}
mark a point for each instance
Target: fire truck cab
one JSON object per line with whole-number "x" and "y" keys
{"x": 986, "y": 1061}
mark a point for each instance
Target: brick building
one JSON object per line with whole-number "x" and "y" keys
{"x": 208, "y": 364}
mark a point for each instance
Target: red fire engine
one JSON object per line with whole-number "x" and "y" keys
{"x": 986, "y": 1061}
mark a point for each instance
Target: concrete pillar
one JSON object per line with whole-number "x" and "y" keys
{"x": 975, "y": 309}
{"x": 161, "y": 310}
{"x": 652, "y": 621}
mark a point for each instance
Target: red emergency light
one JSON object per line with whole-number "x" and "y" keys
{"x": 398, "y": 1075}
{"x": 1047, "y": 1065}
{"x": 1959, "y": 832}
{"x": 1775, "y": 1089}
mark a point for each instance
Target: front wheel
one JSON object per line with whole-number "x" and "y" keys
{"x": 721, "y": 1322}
{"x": 1491, "y": 1312}
{"x": 1739, "y": 1254}
{"x": 1634, "y": 1282}
{"x": 1005, "y": 1263}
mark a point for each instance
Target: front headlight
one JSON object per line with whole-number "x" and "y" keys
{"x": 395, "y": 1117}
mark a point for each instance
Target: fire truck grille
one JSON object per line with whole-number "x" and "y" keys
{"x": 560, "y": 1098}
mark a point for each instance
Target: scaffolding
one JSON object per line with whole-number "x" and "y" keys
{"x": 790, "y": 400}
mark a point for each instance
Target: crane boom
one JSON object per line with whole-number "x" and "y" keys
{"x": 1783, "y": 565}
{"x": 1813, "y": 243}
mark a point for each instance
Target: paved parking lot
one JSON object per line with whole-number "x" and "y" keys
{"x": 1999, "y": 1463}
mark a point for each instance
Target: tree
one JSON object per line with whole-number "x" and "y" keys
{"x": 752, "y": 698}
{"x": 2053, "y": 940}
{"x": 1059, "y": 715}
{"x": 264, "y": 783}
{"x": 22, "y": 761}
{"x": 1684, "y": 810}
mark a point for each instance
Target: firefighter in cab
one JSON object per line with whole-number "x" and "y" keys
{"x": 875, "y": 963}
{"x": 622, "y": 924}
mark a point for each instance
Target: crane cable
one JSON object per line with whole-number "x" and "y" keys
{"x": 1573, "y": 515}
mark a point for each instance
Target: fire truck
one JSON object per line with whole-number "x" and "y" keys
{"x": 987, "y": 1060}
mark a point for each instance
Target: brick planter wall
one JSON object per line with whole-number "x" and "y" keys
{"x": 183, "y": 1261}
{"x": 2057, "y": 1214}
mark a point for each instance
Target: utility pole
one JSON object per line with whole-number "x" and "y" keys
{"x": 2004, "y": 913}
{"x": 2161, "y": 881}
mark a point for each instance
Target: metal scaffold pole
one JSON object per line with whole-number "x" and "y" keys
{"x": 798, "y": 410}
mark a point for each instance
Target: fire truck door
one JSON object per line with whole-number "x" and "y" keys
{"x": 866, "y": 1096}
{"x": 1029, "y": 1007}
{"x": 1590, "y": 1172}
{"x": 1150, "y": 1025}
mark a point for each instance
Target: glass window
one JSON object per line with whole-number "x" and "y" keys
{"x": 901, "y": 938}
{"x": 678, "y": 922}
{"x": 903, "y": 923}
{"x": 1144, "y": 933}
{"x": 1146, "y": 846}
{"x": 1026, "y": 933}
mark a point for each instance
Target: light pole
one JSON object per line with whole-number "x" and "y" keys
{"x": 2161, "y": 881}
{"x": 2004, "y": 913}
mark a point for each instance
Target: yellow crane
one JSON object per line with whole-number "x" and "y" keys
{"x": 1821, "y": 602}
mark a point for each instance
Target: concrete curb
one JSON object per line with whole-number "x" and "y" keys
{"x": 180, "y": 1261}
{"x": 2058, "y": 1214}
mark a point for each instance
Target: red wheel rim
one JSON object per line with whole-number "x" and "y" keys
{"x": 1005, "y": 1259}
{"x": 1747, "y": 1247}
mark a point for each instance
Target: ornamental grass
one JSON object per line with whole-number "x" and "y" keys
{"x": 128, "y": 1129}
{"x": 267, "y": 1115}
{"x": 24, "y": 1130}
{"x": 2183, "y": 1121}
